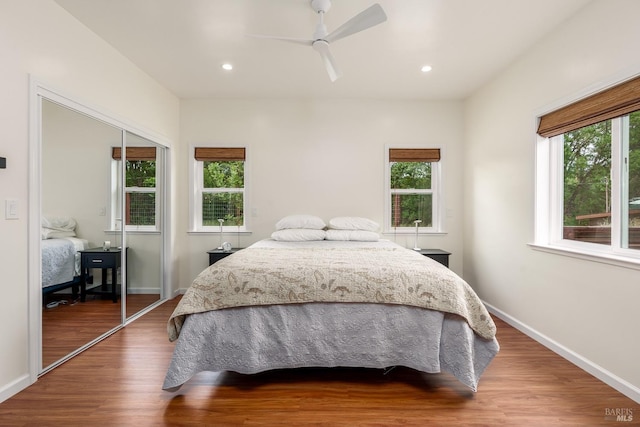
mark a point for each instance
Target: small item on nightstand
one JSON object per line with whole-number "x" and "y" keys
{"x": 417, "y": 222}
{"x": 226, "y": 247}
{"x": 106, "y": 245}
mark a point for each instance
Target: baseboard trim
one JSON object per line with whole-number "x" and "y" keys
{"x": 15, "y": 387}
{"x": 143, "y": 291}
{"x": 597, "y": 371}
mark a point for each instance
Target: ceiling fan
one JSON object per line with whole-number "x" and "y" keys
{"x": 368, "y": 18}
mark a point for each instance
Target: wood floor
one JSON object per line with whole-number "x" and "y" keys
{"x": 118, "y": 383}
{"x": 88, "y": 320}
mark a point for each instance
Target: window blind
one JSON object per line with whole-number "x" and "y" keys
{"x": 616, "y": 101}
{"x": 414, "y": 154}
{"x": 134, "y": 153}
{"x": 219, "y": 154}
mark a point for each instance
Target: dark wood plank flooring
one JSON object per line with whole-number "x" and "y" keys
{"x": 118, "y": 383}
{"x": 71, "y": 324}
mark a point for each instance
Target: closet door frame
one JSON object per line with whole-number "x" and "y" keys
{"x": 38, "y": 92}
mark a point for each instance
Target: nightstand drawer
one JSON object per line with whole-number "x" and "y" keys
{"x": 101, "y": 259}
{"x": 216, "y": 255}
{"x": 437, "y": 255}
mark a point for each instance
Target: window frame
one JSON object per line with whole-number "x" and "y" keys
{"x": 549, "y": 199}
{"x": 196, "y": 180}
{"x": 436, "y": 191}
{"x": 116, "y": 221}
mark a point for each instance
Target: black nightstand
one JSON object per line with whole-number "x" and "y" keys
{"x": 104, "y": 260}
{"x": 216, "y": 255}
{"x": 438, "y": 255}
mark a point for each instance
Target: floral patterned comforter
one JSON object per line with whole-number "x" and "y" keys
{"x": 386, "y": 274}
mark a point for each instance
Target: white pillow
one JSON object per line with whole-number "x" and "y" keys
{"x": 353, "y": 223}
{"x": 62, "y": 223}
{"x": 354, "y": 235}
{"x": 301, "y": 221}
{"x": 298, "y": 235}
{"x": 50, "y": 233}
{"x": 57, "y": 227}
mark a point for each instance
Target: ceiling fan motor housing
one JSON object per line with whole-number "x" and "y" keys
{"x": 320, "y": 5}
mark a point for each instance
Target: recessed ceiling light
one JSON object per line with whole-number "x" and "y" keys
{"x": 227, "y": 66}
{"x": 425, "y": 68}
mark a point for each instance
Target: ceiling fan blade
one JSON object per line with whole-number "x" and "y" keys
{"x": 322, "y": 47}
{"x": 374, "y": 15}
{"x": 305, "y": 42}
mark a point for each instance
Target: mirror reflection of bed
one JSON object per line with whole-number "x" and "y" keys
{"x": 68, "y": 323}
{"x": 60, "y": 256}
{"x": 61, "y": 288}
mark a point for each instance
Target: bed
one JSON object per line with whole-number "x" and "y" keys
{"x": 322, "y": 303}
{"x": 60, "y": 256}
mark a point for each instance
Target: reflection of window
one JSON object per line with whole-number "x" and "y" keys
{"x": 412, "y": 189}
{"x": 218, "y": 188}
{"x": 140, "y": 210}
{"x": 589, "y": 173}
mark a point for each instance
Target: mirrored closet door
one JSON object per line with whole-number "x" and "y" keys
{"x": 102, "y": 224}
{"x": 143, "y": 218}
{"x": 75, "y": 194}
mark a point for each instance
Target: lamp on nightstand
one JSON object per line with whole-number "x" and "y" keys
{"x": 221, "y": 221}
{"x": 416, "y": 222}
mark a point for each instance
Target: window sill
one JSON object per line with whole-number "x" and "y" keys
{"x": 604, "y": 258}
{"x": 112, "y": 232}
{"x": 217, "y": 233}
{"x": 413, "y": 233}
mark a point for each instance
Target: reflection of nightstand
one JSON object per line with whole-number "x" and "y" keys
{"x": 216, "y": 255}
{"x": 104, "y": 260}
{"x": 438, "y": 255}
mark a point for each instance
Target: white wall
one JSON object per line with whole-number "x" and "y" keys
{"x": 324, "y": 158}
{"x": 74, "y": 187}
{"x": 591, "y": 309}
{"x": 39, "y": 38}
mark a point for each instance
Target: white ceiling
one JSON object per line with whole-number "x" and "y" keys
{"x": 183, "y": 43}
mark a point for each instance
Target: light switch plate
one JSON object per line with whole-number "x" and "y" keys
{"x": 11, "y": 209}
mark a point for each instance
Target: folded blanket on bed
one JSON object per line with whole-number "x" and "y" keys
{"x": 388, "y": 275}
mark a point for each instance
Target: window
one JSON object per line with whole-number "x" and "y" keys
{"x": 218, "y": 189}
{"x": 412, "y": 189}
{"x": 588, "y": 174}
{"x": 141, "y": 207}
